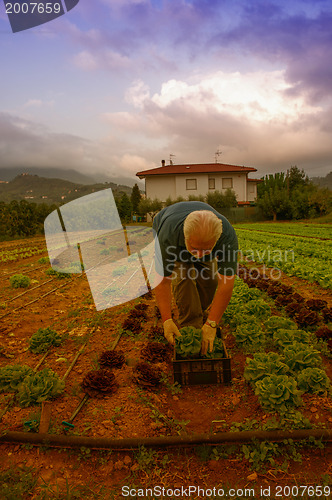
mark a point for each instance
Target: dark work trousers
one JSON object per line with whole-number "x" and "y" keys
{"x": 193, "y": 286}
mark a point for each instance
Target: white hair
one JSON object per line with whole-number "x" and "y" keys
{"x": 203, "y": 225}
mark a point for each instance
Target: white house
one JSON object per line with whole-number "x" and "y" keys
{"x": 199, "y": 179}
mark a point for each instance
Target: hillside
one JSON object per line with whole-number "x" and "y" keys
{"x": 323, "y": 182}
{"x": 44, "y": 190}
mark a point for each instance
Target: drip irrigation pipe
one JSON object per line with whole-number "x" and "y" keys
{"x": 39, "y": 298}
{"x": 30, "y": 290}
{"x": 66, "y": 441}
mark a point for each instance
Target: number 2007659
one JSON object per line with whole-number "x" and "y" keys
{"x": 33, "y": 8}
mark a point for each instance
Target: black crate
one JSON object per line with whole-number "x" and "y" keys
{"x": 202, "y": 371}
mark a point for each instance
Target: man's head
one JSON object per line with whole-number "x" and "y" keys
{"x": 202, "y": 229}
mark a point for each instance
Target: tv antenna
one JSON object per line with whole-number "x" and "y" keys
{"x": 217, "y": 154}
{"x": 171, "y": 156}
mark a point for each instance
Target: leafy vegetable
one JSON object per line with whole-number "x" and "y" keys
{"x": 249, "y": 332}
{"x": 119, "y": 270}
{"x": 284, "y": 338}
{"x": 278, "y": 393}
{"x": 39, "y": 387}
{"x": 43, "y": 339}
{"x": 299, "y": 356}
{"x": 259, "y": 308}
{"x": 274, "y": 323}
{"x": 262, "y": 365}
{"x": 313, "y": 380}
{"x": 218, "y": 350}
{"x": 12, "y": 375}
{"x": 19, "y": 281}
{"x": 189, "y": 344}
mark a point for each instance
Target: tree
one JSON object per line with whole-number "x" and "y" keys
{"x": 320, "y": 202}
{"x": 150, "y": 207}
{"x": 135, "y": 197}
{"x": 273, "y": 198}
{"x": 125, "y": 208}
{"x": 296, "y": 178}
{"x": 220, "y": 201}
{"x": 274, "y": 202}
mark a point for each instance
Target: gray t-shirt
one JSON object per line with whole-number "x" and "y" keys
{"x": 168, "y": 227}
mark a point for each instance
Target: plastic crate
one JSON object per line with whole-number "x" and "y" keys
{"x": 202, "y": 371}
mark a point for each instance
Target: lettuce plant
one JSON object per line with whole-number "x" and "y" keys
{"x": 118, "y": 271}
{"x": 249, "y": 332}
{"x": 189, "y": 344}
{"x": 258, "y": 308}
{"x": 19, "y": 281}
{"x": 217, "y": 351}
{"x": 39, "y": 387}
{"x": 12, "y": 375}
{"x": 275, "y": 323}
{"x": 299, "y": 356}
{"x": 43, "y": 339}
{"x": 284, "y": 338}
{"x": 313, "y": 380}
{"x": 262, "y": 365}
{"x": 278, "y": 393}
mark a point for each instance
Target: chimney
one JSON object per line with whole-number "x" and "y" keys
{"x": 162, "y": 163}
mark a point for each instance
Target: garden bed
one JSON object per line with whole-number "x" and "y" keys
{"x": 132, "y": 411}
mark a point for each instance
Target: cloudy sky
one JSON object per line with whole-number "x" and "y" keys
{"x": 118, "y": 85}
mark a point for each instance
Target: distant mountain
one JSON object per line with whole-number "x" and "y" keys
{"x": 44, "y": 190}
{"x": 8, "y": 174}
{"x": 323, "y": 181}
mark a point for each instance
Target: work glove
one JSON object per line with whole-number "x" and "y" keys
{"x": 208, "y": 336}
{"x": 171, "y": 330}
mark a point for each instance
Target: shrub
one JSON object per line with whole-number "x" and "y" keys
{"x": 19, "y": 281}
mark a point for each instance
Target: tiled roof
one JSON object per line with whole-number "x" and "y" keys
{"x": 200, "y": 168}
{"x": 255, "y": 180}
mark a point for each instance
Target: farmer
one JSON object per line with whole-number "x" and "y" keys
{"x": 197, "y": 261}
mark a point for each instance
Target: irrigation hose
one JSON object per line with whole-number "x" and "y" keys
{"x": 66, "y": 441}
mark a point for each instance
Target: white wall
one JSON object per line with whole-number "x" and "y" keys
{"x": 160, "y": 186}
{"x": 163, "y": 186}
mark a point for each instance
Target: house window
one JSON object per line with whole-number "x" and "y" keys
{"x": 191, "y": 184}
{"x": 212, "y": 183}
{"x": 251, "y": 188}
{"x": 227, "y": 183}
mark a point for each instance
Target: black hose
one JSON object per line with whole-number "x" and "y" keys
{"x": 164, "y": 441}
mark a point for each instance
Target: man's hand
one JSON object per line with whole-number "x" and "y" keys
{"x": 171, "y": 330}
{"x": 208, "y": 336}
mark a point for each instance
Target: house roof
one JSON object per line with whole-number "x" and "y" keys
{"x": 199, "y": 168}
{"x": 255, "y": 180}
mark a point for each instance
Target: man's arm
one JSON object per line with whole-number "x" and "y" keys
{"x": 164, "y": 298}
{"x": 220, "y": 302}
{"x": 222, "y": 297}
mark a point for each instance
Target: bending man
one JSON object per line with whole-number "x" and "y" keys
{"x": 198, "y": 262}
